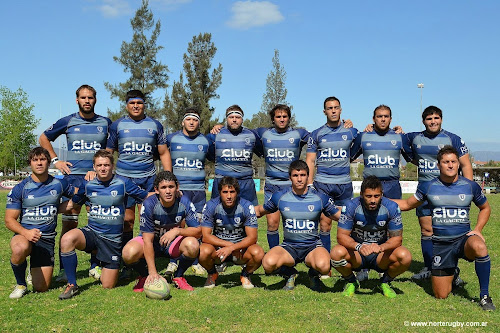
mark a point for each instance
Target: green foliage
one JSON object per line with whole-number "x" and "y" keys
{"x": 17, "y": 123}
{"x": 200, "y": 87}
{"x": 275, "y": 94}
{"x": 139, "y": 59}
{"x": 409, "y": 172}
{"x": 266, "y": 308}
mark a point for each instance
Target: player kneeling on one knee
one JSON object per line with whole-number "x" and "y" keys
{"x": 370, "y": 235}
{"x": 229, "y": 228}
{"x": 450, "y": 196}
{"x": 300, "y": 209}
{"x": 161, "y": 224}
{"x": 105, "y": 198}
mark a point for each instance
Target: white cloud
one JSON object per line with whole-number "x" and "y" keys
{"x": 248, "y": 14}
{"x": 114, "y": 8}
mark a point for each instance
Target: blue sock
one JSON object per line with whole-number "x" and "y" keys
{"x": 20, "y": 272}
{"x": 483, "y": 267}
{"x": 70, "y": 261}
{"x": 386, "y": 278}
{"x": 93, "y": 261}
{"x": 427, "y": 252}
{"x": 312, "y": 272}
{"x": 196, "y": 261}
{"x": 61, "y": 265}
{"x": 350, "y": 278}
{"x": 184, "y": 264}
{"x": 245, "y": 273}
{"x": 273, "y": 238}
{"x": 287, "y": 271}
{"x": 325, "y": 239}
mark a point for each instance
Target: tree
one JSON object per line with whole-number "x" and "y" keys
{"x": 17, "y": 123}
{"x": 275, "y": 94}
{"x": 139, "y": 59}
{"x": 201, "y": 85}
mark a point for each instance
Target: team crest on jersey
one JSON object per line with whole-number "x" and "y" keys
{"x": 237, "y": 220}
{"x": 53, "y": 193}
{"x": 99, "y": 129}
{"x": 440, "y": 146}
{"x": 150, "y": 130}
{"x": 393, "y": 142}
{"x": 200, "y": 147}
{"x": 178, "y": 219}
{"x": 437, "y": 260}
{"x": 462, "y": 197}
{"x": 310, "y": 207}
{"x": 310, "y": 141}
{"x": 381, "y": 223}
{"x": 114, "y": 193}
{"x": 50, "y": 128}
{"x": 247, "y": 141}
{"x": 344, "y": 137}
{"x": 291, "y": 140}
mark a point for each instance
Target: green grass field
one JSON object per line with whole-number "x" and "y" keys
{"x": 230, "y": 308}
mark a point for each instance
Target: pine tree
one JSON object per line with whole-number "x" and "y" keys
{"x": 139, "y": 58}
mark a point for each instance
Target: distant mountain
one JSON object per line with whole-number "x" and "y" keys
{"x": 485, "y": 156}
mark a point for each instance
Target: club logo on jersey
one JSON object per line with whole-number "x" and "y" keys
{"x": 393, "y": 142}
{"x": 449, "y": 213}
{"x": 236, "y": 153}
{"x": 237, "y": 220}
{"x": 218, "y": 221}
{"x": 424, "y": 164}
{"x": 368, "y": 144}
{"x": 462, "y": 197}
{"x": 126, "y": 131}
{"x": 77, "y": 129}
{"x": 464, "y": 150}
{"x": 286, "y": 209}
{"x": 310, "y": 207}
{"x": 143, "y": 209}
{"x": 381, "y": 223}
{"x": 41, "y": 212}
{"x": 200, "y": 147}
{"x": 31, "y": 196}
{"x": 323, "y": 140}
{"x": 105, "y": 211}
{"x": 53, "y": 193}
{"x": 134, "y": 147}
{"x": 99, "y": 129}
{"x": 150, "y": 130}
{"x": 277, "y": 153}
{"x": 183, "y": 162}
{"x": 333, "y": 153}
{"x": 291, "y": 140}
{"x": 50, "y": 128}
{"x": 419, "y": 146}
{"x": 178, "y": 219}
{"x": 94, "y": 194}
{"x": 222, "y": 140}
{"x": 157, "y": 222}
{"x": 379, "y": 160}
{"x": 437, "y": 260}
{"x": 359, "y": 222}
{"x": 114, "y": 258}
{"x": 344, "y": 137}
{"x": 83, "y": 145}
{"x": 247, "y": 141}
{"x": 300, "y": 225}
{"x": 114, "y": 193}
{"x": 268, "y": 140}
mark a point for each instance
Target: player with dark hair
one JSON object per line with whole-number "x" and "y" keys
{"x": 301, "y": 208}
{"x": 423, "y": 148}
{"x": 234, "y": 146}
{"x": 163, "y": 234}
{"x": 189, "y": 150}
{"x": 137, "y": 137}
{"x": 86, "y": 133}
{"x": 449, "y": 197}
{"x": 370, "y": 236}
{"x": 31, "y": 213}
{"x": 229, "y": 229}
{"x": 105, "y": 197}
{"x": 329, "y": 153}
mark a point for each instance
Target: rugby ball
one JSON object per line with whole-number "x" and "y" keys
{"x": 158, "y": 289}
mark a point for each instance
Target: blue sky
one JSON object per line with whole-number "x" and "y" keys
{"x": 365, "y": 53}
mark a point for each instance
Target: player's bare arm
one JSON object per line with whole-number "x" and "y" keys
{"x": 311, "y": 163}
{"x": 149, "y": 256}
{"x": 482, "y": 219}
{"x": 250, "y": 239}
{"x": 165, "y": 158}
{"x": 12, "y": 223}
{"x": 466, "y": 166}
{"x": 63, "y": 166}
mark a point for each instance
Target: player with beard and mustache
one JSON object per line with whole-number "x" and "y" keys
{"x": 86, "y": 133}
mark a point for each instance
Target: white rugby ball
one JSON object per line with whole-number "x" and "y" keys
{"x": 159, "y": 289}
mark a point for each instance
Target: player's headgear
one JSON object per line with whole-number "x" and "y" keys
{"x": 104, "y": 154}
{"x": 38, "y": 151}
{"x": 371, "y": 182}
{"x": 167, "y": 176}
{"x": 231, "y": 182}
{"x": 234, "y": 109}
{"x": 134, "y": 94}
{"x": 445, "y": 151}
{"x": 191, "y": 112}
{"x": 432, "y": 110}
{"x": 298, "y": 165}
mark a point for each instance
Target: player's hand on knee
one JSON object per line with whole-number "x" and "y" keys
{"x": 477, "y": 233}
{"x": 224, "y": 252}
{"x": 169, "y": 236}
{"x": 32, "y": 235}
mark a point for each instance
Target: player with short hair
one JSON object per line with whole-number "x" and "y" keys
{"x": 105, "y": 197}
{"x": 329, "y": 153}
{"x": 423, "y": 148}
{"x": 163, "y": 234}
{"x": 449, "y": 198}
{"x": 137, "y": 137}
{"x": 86, "y": 132}
{"x": 301, "y": 208}
{"x": 234, "y": 146}
{"x": 31, "y": 213}
{"x": 229, "y": 229}
{"x": 370, "y": 236}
